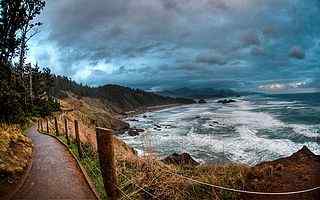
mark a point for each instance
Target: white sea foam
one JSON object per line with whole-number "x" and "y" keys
{"x": 194, "y": 129}
{"x": 308, "y": 131}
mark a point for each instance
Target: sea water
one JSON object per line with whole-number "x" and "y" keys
{"x": 254, "y": 129}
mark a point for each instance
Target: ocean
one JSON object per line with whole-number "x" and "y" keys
{"x": 254, "y": 129}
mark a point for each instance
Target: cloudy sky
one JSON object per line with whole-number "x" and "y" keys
{"x": 270, "y": 45}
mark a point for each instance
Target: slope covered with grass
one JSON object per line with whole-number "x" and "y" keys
{"x": 15, "y": 155}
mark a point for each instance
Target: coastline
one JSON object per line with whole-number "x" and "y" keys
{"x": 143, "y": 110}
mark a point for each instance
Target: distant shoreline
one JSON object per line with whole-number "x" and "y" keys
{"x": 143, "y": 110}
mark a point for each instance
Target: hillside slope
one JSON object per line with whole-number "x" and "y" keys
{"x": 115, "y": 98}
{"x": 127, "y": 99}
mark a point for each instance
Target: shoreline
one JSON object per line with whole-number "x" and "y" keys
{"x": 143, "y": 110}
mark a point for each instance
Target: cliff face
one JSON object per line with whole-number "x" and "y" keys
{"x": 300, "y": 171}
{"x": 91, "y": 112}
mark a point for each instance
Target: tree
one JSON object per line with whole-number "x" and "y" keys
{"x": 31, "y": 8}
{"x": 24, "y": 90}
{"x": 11, "y": 21}
{"x": 16, "y": 22}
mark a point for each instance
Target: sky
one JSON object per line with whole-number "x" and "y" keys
{"x": 261, "y": 45}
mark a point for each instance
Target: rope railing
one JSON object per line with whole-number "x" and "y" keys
{"x": 244, "y": 191}
{"x": 141, "y": 188}
{"x": 122, "y": 192}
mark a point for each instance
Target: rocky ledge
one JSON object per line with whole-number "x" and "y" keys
{"x": 299, "y": 171}
{"x": 135, "y": 131}
{"x": 202, "y": 101}
{"x": 180, "y": 159}
{"x": 226, "y": 101}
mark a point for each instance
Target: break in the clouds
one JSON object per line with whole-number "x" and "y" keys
{"x": 247, "y": 44}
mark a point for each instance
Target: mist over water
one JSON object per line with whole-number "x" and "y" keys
{"x": 254, "y": 129}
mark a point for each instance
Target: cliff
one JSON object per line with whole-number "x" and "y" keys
{"x": 299, "y": 171}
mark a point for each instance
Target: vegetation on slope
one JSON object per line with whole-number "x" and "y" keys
{"x": 116, "y": 98}
{"x": 15, "y": 154}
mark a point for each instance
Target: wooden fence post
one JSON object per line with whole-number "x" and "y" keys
{"x": 47, "y": 125}
{"x": 66, "y": 130}
{"x": 41, "y": 125}
{"x": 106, "y": 158}
{"x": 76, "y": 128}
{"x": 38, "y": 125}
{"x": 56, "y": 126}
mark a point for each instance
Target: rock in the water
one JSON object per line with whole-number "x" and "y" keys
{"x": 133, "y": 120}
{"x": 180, "y": 159}
{"x": 226, "y": 101}
{"x": 135, "y": 131}
{"x": 202, "y": 101}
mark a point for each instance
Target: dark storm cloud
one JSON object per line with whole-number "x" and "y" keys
{"x": 212, "y": 58}
{"x": 155, "y": 43}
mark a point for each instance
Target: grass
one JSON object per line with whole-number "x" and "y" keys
{"x": 159, "y": 179}
{"x": 15, "y": 149}
{"x": 15, "y": 154}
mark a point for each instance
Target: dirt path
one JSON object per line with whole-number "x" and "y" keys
{"x": 54, "y": 173}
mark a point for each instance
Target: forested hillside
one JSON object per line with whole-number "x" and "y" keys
{"x": 119, "y": 98}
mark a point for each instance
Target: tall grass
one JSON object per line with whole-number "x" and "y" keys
{"x": 15, "y": 149}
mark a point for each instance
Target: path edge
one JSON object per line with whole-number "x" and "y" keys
{"x": 86, "y": 176}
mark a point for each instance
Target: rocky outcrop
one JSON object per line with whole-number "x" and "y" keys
{"x": 226, "y": 101}
{"x": 135, "y": 131}
{"x": 180, "y": 159}
{"x": 300, "y": 171}
{"x": 119, "y": 126}
{"x": 202, "y": 101}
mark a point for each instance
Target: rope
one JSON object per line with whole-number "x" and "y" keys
{"x": 244, "y": 191}
{"x": 123, "y": 193}
{"x": 141, "y": 188}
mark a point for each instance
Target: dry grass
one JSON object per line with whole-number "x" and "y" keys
{"x": 15, "y": 154}
{"x": 160, "y": 181}
{"x": 15, "y": 149}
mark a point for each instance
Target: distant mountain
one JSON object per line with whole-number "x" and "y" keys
{"x": 200, "y": 93}
{"x": 115, "y": 97}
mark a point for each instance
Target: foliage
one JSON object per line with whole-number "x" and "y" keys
{"x": 119, "y": 98}
{"x": 19, "y": 102}
{"x": 17, "y": 19}
{"x": 24, "y": 89}
{"x": 15, "y": 150}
